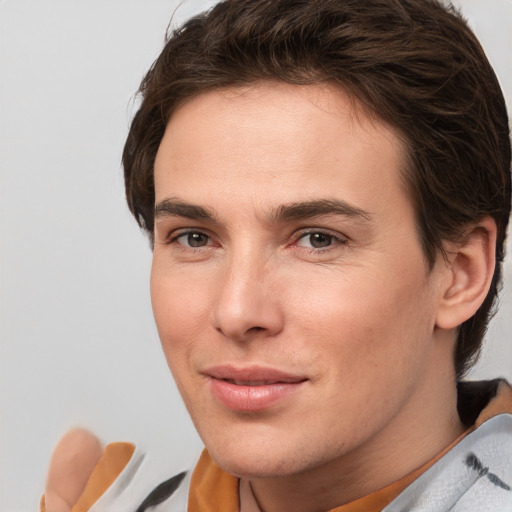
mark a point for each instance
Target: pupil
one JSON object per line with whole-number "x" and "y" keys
{"x": 319, "y": 240}
{"x": 196, "y": 240}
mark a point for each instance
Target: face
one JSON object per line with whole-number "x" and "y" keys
{"x": 290, "y": 292}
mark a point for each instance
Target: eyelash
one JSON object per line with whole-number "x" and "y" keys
{"x": 336, "y": 239}
{"x": 175, "y": 237}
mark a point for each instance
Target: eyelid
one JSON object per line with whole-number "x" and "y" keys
{"x": 338, "y": 237}
{"x": 176, "y": 234}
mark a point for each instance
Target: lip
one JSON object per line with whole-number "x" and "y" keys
{"x": 251, "y": 389}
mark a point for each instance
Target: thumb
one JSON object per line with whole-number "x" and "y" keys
{"x": 71, "y": 464}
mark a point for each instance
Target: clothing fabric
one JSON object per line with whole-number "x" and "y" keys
{"x": 473, "y": 474}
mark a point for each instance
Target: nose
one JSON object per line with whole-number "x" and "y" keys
{"x": 247, "y": 303}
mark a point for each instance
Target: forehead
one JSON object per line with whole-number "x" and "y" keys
{"x": 286, "y": 142}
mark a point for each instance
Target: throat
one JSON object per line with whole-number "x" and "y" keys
{"x": 248, "y": 501}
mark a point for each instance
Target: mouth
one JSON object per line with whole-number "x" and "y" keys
{"x": 252, "y": 389}
{"x": 237, "y": 382}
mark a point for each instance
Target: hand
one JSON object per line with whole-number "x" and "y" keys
{"x": 72, "y": 462}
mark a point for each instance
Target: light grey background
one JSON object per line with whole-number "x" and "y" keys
{"x": 78, "y": 344}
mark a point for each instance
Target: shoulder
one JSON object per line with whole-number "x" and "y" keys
{"x": 476, "y": 474}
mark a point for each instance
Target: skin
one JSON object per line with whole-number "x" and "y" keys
{"x": 73, "y": 460}
{"x": 344, "y": 300}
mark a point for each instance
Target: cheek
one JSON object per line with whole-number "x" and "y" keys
{"x": 181, "y": 314}
{"x": 363, "y": 322}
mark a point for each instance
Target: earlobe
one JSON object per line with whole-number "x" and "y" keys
{"x": 470, "y": 268}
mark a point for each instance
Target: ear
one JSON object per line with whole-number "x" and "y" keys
{"x": 468, "y": 276}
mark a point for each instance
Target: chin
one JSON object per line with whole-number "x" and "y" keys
{"x": 260, "y": 466}
{"x": 262, "y": 457}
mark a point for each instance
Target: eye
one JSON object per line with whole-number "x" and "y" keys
{"x": 192, "y": 239}
{"x": 319, "y": 240}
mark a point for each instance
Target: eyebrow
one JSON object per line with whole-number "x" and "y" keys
{"x": 173, "y": 207}
{"x": 317, "y": 208}
{"x": 177, "y": 208}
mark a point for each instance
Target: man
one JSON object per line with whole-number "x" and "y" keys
{"x": 326, "y": 186}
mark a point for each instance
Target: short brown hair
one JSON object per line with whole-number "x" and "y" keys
{"x": 413, "y": 63}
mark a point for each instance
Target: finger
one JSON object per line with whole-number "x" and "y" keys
{"x": 71, "y": 464}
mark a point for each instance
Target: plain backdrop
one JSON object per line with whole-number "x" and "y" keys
{"x": 78, "y": 344}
